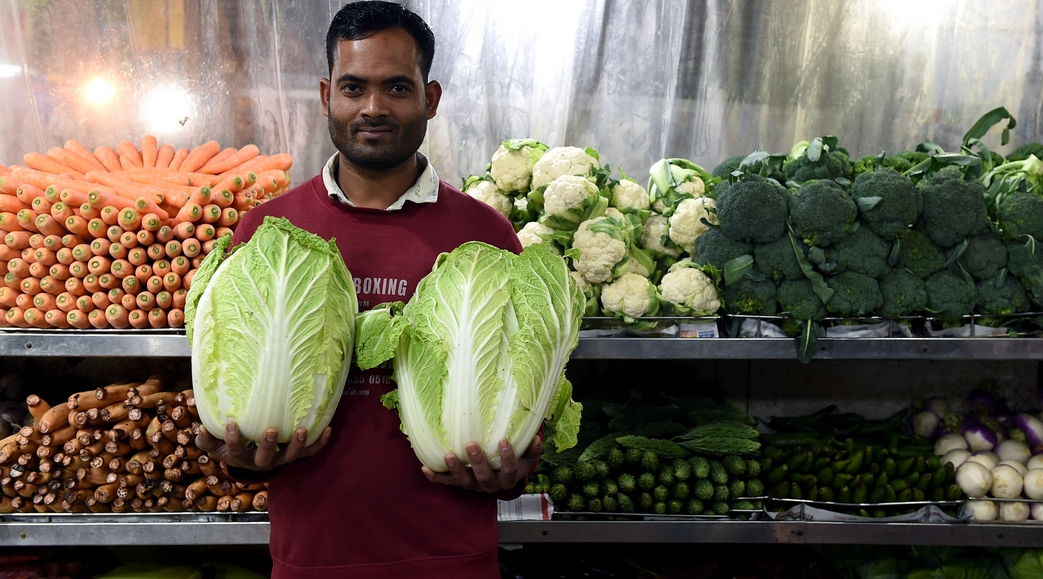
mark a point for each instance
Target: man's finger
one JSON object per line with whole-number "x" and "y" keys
{"x": 266, "y": 449}
{"x": 314, "y": 448}
{"x": 206, "y": 441}
{"x": 237, "y": 451}
{"x": 535, "y": 449}
{"x": 483, "y": 473}
{"x": 295, "y": 449}
{"x": 508, "y": 465}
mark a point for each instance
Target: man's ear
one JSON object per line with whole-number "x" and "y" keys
{"x": 324, "y": 96}
{"x": 433, "y": 92}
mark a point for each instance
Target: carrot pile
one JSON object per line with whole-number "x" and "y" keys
{"x": 126, "y": 447}
{"x": 111, "y": 238}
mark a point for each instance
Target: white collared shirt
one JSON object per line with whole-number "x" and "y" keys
{"x": 425, "y": 190}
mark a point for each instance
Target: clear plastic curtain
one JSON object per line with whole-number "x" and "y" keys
{"x": 636, "y": 79}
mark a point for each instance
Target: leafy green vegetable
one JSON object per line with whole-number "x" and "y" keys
{"x": 722, "y": 438}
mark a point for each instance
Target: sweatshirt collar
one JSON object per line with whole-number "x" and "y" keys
{"x": 425, "y": 190}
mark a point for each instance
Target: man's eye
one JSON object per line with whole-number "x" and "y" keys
{"x": 398, "y": 88}
{"x": 351, "y": 88}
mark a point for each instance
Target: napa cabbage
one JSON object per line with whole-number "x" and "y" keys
{"x": 272, "y": 330}
{"x": 479, "y": 352}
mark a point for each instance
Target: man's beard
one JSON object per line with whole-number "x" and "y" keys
{"x": 408, "y": 139}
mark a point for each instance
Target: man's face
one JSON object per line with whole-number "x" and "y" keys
{"x": 376, "y": 100}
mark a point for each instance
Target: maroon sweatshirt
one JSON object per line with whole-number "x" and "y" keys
{"x": 362, "y": 508}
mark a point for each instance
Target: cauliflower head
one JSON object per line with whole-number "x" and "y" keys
{"x": 686, "y": 290}
{"x": 511, "y": 166}
{"x": 562, "y": 161}
{"x": 686, "y": 223}
{"x": 631, "y": 296}
{"x": 629, "y": 194}
{"x": 570, "y": 199}
{"x": 591, "y": 293}
{"x": 603, "y": 251}
{"x": 655, "y": 229}
{"x": 671, "y": 180}
{"x": 535, "y": 233}
{"x": 488, "y": 193}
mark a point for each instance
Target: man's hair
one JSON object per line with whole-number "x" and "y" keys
{"x": 360, "y": 20}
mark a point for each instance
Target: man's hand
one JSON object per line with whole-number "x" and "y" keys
{"x": 481, "y": 476}
{"x": 264, "y": 456}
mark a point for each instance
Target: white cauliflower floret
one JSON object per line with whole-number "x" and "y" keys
{"x": 635, "y": 266}
{"x": 631, "y": 295}
{"x": 584, "y": 285}
{"x": 686, "y": 223}
{"x": 511, "y": 170}
{"x": 695, "y": 188}
{"x": 689, "y": 288}
{"x": 565, "y": 192}
{"x": 615, "y": 214}
{"x": 652, "y": 236}
{"x": 628, "y": 194}
{"x": 530, "y": 234}
{"x": 600, "y": 253}
{"x": 562, "y": 161}
{"x": 487, "y": 192}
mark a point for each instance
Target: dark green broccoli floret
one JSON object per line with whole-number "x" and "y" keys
{"x": 918, "y": 254}
{"x": 1021, "y": 153}
{"x": 863, "y": 252}
{"x": 985, "y": 256}
{"x": 1008, "y": 298}
{"x": 903, "y": 293}
{"x": 754, "y": 210}
{"x": 800, "y": 300}
{"x": 904, "y": 161}
{"x": 724, "y": 169}
{"x": 953, "y": 208}
{"x": 777, "y": 259}
{"x": 1021, "y": 214}
{"x": 830, "y": 165}
{"x": 751, "y": 297}
{"x": 899, "y": 206}
{"x": 716, "y": 249}
{"x": 866, "y": 164}
{"x": 1024, "y": 255}
{"x": 951, "y": 294}
{"x": 822, "y": 212}
{"x": 854, "y": 294}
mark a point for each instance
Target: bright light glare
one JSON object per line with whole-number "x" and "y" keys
{"x": 98, "y": 92}
{"x": 911, "y": 15}
{"x": 166, "y": 109}
{"x": 9, "y": 70}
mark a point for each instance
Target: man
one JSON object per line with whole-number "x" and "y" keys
{"x": 357, "y": 502}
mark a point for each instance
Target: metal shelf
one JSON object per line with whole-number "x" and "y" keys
{"x": 173, "y": 344}
{"x": 135, "y": 530}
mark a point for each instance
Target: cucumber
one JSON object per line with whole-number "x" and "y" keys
{"x": 859, "y": 494}
{"x": 802, "y": 479}
{"x": 820, "y": 463}
{"x": 953, "y": 492}
{"x": 777, "y": 474}
{"x": 889, "y": 494}
{"x": 841, "y": 479}
{"x": 905, "y": 466}
{"x": 904, "y": 496}
{"x": 855, "y": 465}
{"x": 876, "y": 495}
{"x": 913, "y": 478}
{"x": 780, "y": 490}
{"x": 890, "y": 467}
{"x": 795, "y": 492}
{"x": 881, "y": 481}
{"x": 795, "y": 461}
{"x": 918, "y": 495}
{"x": 898, "y": 485}
{"x": 844, "y": 495}
{"x": 825, "y": 476}
{"x": 924, "y": 484}
{"x": 868, "y": 479}
{"x": 825, "y": 494}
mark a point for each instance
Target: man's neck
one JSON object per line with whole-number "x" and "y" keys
{"x": 376, "y": 188}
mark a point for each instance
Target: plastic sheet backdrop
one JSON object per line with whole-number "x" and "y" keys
{"x": 636, "y": 79}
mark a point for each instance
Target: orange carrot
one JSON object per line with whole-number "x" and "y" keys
{"x": 130, "y": 151}
{"x": 48, "y": 225}
{"x": 24, "y": 301}
{"x": 186, "y": 280}
{"x": 164, "y": 234}
{"x": 57, "y": 319}
{"x": 180, "y": 265}
{"x": 96, "y": 228}
{"x": 144, "y": 206}
{"x": 173, "y": 248}
{"x": 272, "y": 181}
{"x": 70, "y": 159}
{"x": 149, "y": 151}
{"x": 74, "y": 285}
{"x": 116, "y": 295}
{"x": 8, "y": 296}
{"x": 128, "y": 301}
{"x": 155, "y": 285}
{"x": 52, "y": 242}
{"x": 44, "y": 302}
{"x": 222, "y": 198}
{"x": 164, "y": 299}
{"x": 145, "y": 237}
{"x": 76, "y": 224}
{"x": 229, "y": 217}
{"x": 190, "y": 212}
{"x": 82, "y": 252}
{"x": 110, "y": 215}
{"x": 9, "y": 222}
{"x": 243, "y": 200}
{"x": 100, "y": 299}
{"x": 61, "y": 211}
{"x": 131, "y": 285}
{"x": 163, "y": 156}
{"x": 199, "y": 155}
{"x": 18, "y": 266}
{"x": 122, "y": 268}
{"x": 38, "y": 270}
{"x": 42, "y": 162}
{"x": 26, "y": 193}
{"x": 129, "y": 239}
{"x": 127, "y": 188}
{"x": 211, "y": 213}
{"x": 7, "y": 252}
{"x": 101, "y": 200}
{"x": 241, "y": 156}
{"x": 125, "y": 163}
{"x": 171, "y": 282}
{"x": 205, "y": 232}
{"x": 27, "y": 219}
{"x": 91, "y": 283}
{"x": 108, "y": 157}
{"x": 175, "y": 318}
{"x": 71, "y": 240}
{"x": 98, "y": 320}
{"x": 11, "y": 204}
{"x": 30, "y": 286}
{"x": 137, "y": 256}
{"x": 52, "y": 194}
{"x": 78, "y": 319}
{"x": 183, "y": 231}
{"x": 161, "y": 267}
{"x": 16, "y": 317}
{"x": 143, "y": 272}
{"x": 67, "y": 302}
{"x": 138, "y": 319}
{"x": 208, "y": 167}
{"x": 35, "y": 318}
{"x": 17, "y": 239}
{"x": 117, "y": 250}
{"x": 129, "y": 219}
{"x": 156, "y": 251}
{"x": 65, "y": 257}
{"x": 45, "y": 256}
{"x": 113, "y": 233}
{"x": 178, "y": 178}
{"x": 72, "y": 197}
{"x": 88, "y": 211}
{"x": 223, "y": 231}
{"x": 76, "y": 147}
{"x": 99, "y": 265}
{"x": 178, "y": 159}
{"x": 145, "y": 300}
{"x": 84, "y": 303}
{"x": 41, "y": 205}
{"x": 51, "y": 285}
{"x": 261, "y": 163}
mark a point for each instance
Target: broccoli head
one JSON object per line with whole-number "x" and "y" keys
{"x": 1020, "y": 214}
{"x": 716, "y": 249}
{"x": 900, "y": 202}
{"x": 799, "y": 299}
{"x": 1021, "y": 153}
{"x": 777, "y": 260}
{"x": 863, "y": 252}
{"x": 750, "y": 297}
{"x": 918, "y": 254}
{"x": 754, "y": 210}
{"x": 904, "y": 160}
{"x": 854, "y": 294}
{"x": 985, "y": 256}
{"x": 724, "y": 169}
{"x": 951, "y": 294}
{"x": 903, "y": 293}
{"x": 822, "y": 212}
{"x": 1004, "y": 299}
{"x": 866, "y": 164}
{"x": 953, "y": 208}
{"x": 830, "y": 165}
{"x": 1024, "y": 256}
